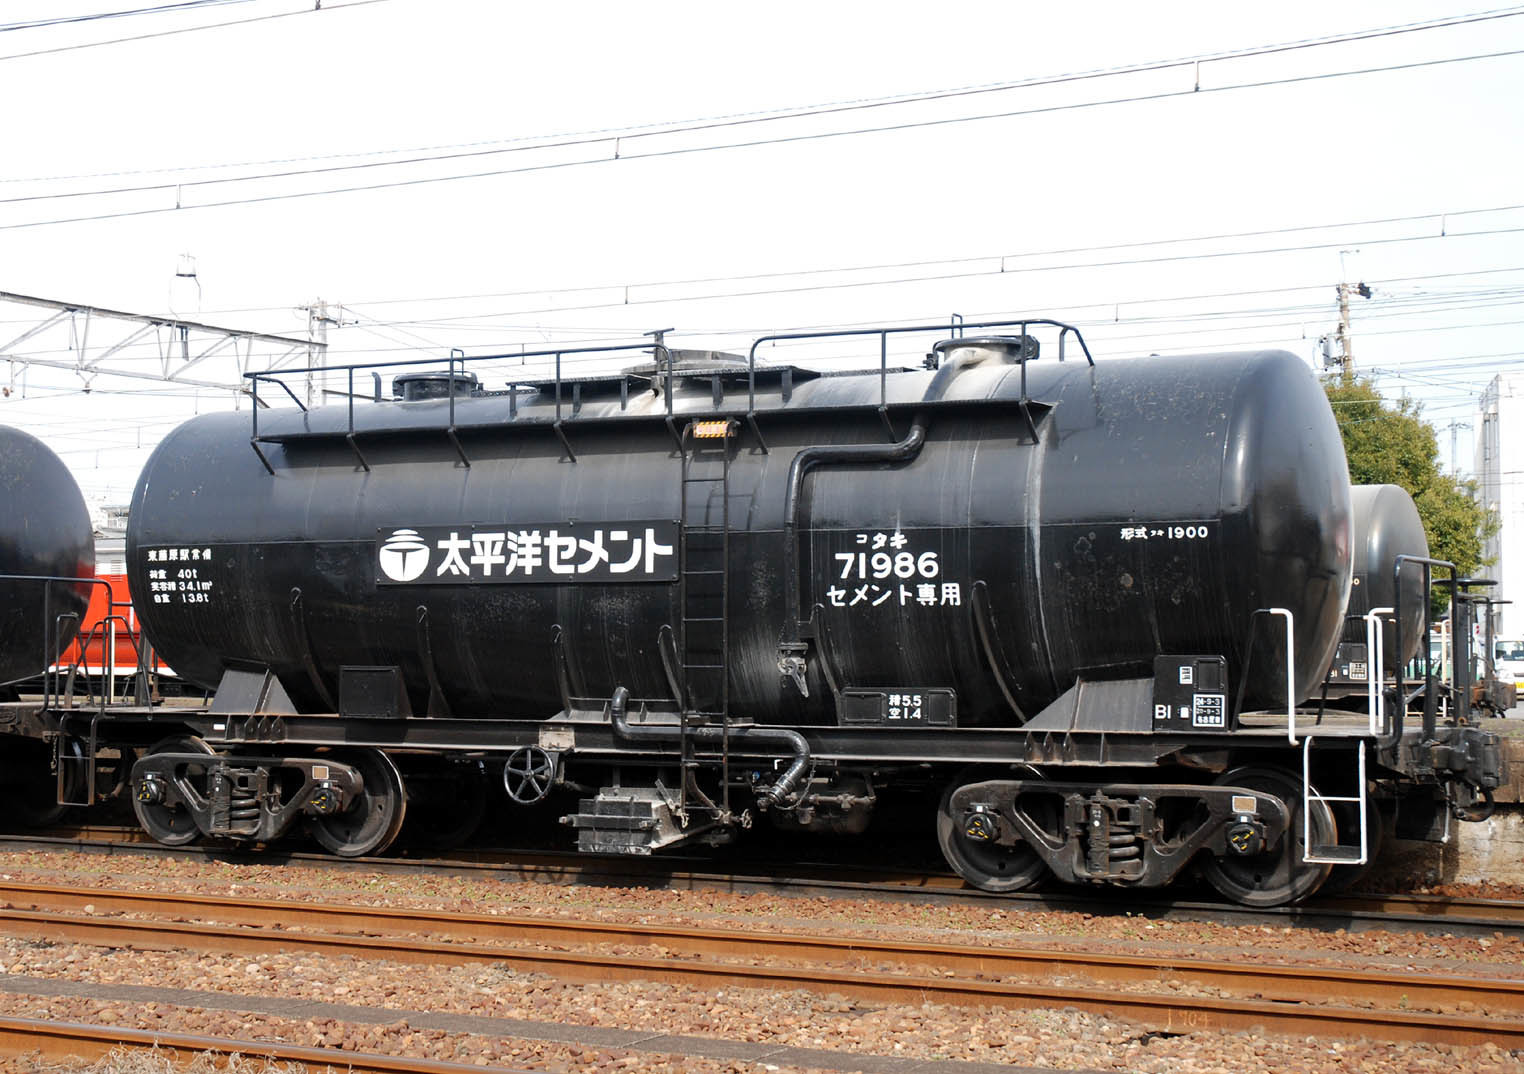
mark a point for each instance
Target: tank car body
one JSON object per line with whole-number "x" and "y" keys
{"x": 1386, "y": 526}
{"x": 1085, "y": 599}
{"x": 1165, "y": 501}
{"x": 45, "y": 533}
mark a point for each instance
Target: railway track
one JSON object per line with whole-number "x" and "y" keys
{"x": 1170, "y": 994}
{"x": 1461, "y": 915}
{"x": 62, "y": 1040}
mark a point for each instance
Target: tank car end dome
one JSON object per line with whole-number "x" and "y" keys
{"x": 1387, "y": 525}
{"x": 45, "y": 531}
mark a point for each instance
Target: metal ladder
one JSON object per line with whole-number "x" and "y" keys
{"x": 1332, "y": 853}
{"x": 703, "y": 637}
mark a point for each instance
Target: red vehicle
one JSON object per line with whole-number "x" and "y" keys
{"x": 109, "y": 645}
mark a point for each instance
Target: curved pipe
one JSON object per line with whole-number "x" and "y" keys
{"x": 780, "y": 789}
{"x": 807, "y": 459}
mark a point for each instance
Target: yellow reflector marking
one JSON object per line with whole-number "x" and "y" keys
{"x": 711, "y": 430}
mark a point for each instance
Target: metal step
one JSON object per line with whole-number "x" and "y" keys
{"x": 1336, "y": 854}
{"x": 1333, "y": 853}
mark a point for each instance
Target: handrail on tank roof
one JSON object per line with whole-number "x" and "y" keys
{"x": 955, "y": 326}
{"x": 659, "y": 351}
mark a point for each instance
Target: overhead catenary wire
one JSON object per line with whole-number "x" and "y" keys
{"x": 181, "y": 205}
{"x": 693, "y": 125}
{"x": 992, "y": 271}
{"x": 1165, "y": 327}
{"x": 99, "y": 16}
{"x": 316, "y": 8}
{"x": 1107, "y": 302}
{"x": 1229, "y": 334}
{"x": 1438, "y": 217}
{"x": 1398, "y": 306}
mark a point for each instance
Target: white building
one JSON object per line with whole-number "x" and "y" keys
{"x": 1500, "y": 476}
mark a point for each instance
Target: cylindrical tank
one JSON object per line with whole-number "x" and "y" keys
{"x": 1386, "y": 525}
{"x": 44, "y": 532}
{"x": 1163, "y": 502}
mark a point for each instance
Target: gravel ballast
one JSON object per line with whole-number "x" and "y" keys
{"x": 532, "y": 1021}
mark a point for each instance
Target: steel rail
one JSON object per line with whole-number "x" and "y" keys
{"x": 57, "y": 1040}
{"x": 1470, "y": 914}
{"x": 1275, "y": 996}
{"x": 1442, "y": 908}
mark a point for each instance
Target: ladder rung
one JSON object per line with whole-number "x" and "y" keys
{"x": 721, "y": 619}
{"x": 703, "y": 667}
{"x": 1336, "y": 853}
{"x": 703, "y": 570}
{"x": 701, "y": 480}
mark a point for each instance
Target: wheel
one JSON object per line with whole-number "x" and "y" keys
{"x": 34, "y": 786}
{"x": 1277, "y": 876}
{"x": 529, "y": 774}
{"x": 987, "y": 866}
{"x": 374, "y": 818}
{"x": 173, "y": 825}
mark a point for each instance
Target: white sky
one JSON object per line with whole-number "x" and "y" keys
{"x": 354, "y": 82}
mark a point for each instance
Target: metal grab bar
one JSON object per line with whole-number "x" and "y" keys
{"x": 1375, "y": 669}
{"x": 1285, "y": 613}
{"x": 107, "y": 638}
{"x": 1243, "y": 682}
{"x": 1428, "y": 687}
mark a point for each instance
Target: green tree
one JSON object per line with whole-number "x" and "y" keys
{"x": 1388, "y": 444}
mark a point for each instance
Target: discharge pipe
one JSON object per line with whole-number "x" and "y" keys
{"x": 773, "y": 795}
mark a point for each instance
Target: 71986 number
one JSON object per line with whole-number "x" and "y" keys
{"x": 864, "y": 565}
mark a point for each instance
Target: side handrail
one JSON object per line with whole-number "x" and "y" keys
{"x": 58, "y": 621}
{"x": 1285, "y": 613}
{"x": 1428, "y": 688}
{"x": 1243, "y": 682}
{"x": 104, "y": 632}
{"x": 1375, "y": 669}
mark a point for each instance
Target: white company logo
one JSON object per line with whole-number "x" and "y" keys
{"x": 557, "y": 553}
{"x": 404, "y": 556}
